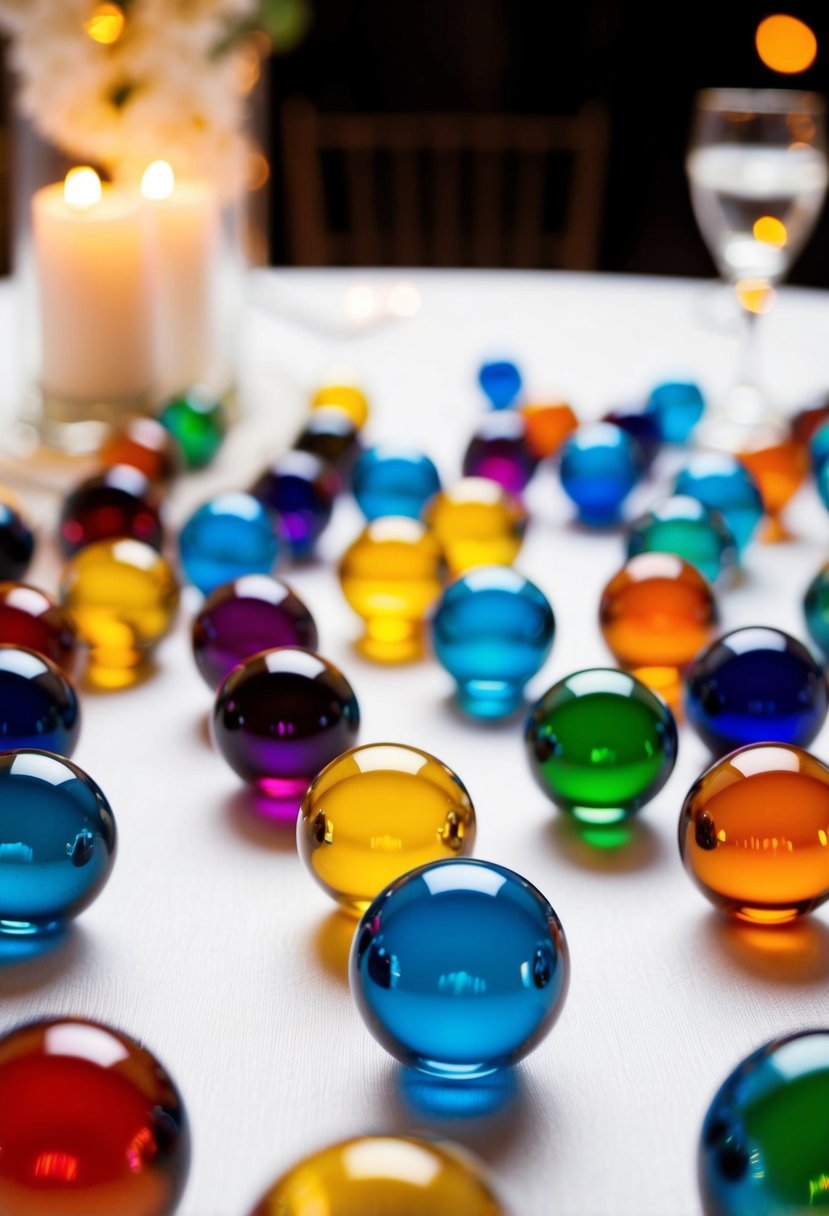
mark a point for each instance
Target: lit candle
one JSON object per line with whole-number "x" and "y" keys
{"x": 94, "y": 291}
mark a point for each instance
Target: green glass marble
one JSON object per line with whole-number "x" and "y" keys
{"x": 600, "y": 744}
{"x": 199, "y": 423}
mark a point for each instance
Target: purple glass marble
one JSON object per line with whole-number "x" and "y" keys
{"x": 301, "y": 489}
{"x": 642, "y": 427}
{"x": 245, "y": 616}
{"x": 498, "y": 450}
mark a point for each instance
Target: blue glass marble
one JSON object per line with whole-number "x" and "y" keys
{"x": 686, "y": 527}
{"x": 230, "y": 536}
{"x": 819, "y": 448}
{"x": 17, "y": 544}
{"x": 677, "y": 406}
{"x": 816, "y": 609}
{"x": 301, "y": 489}
{"x": 600, "y": 465}
{"x": 57, "y": 841}
{"x": 492, "y": 630}
{"x": 499, "y": 450}
{"x": 642, "y": 427}
{"x": 755, "y": 685}
{"x": 393, "y": 479}
{"x": 822, "y": 483}
{"x": 459, "y": 968}
{"x": 38, "y": 703}
{"x": 501, "y": 382}
{"x": 722, "y": 483}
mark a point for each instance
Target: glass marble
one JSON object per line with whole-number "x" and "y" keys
{"x": 146, "y": 445}
{"x": 393, "y": 479}
{"x": 500, "y": 382}
{"x": 492, "y": 631}
{"x": 384, "y": 1176}
{"x": 120, "y": 502}
{"x": 499, "y": 450}
{"x": 807, "y": 421}
{"x": 779, "y": 467}
{"x": 816, "y": 609}
{"x": 57, "y": 841}
{"x": 548, "y": 425}
{"x": 229, "y": 536}
{"x": 91, "y": 1124}
{"x": 822, "y": 483}
{"x": 300, "y": 489}
{"x": 376, "y": 812}
{"x": 600, "y": 465}
{"x": 477, "y": 523}
{"x": 330, "y": 434}
{"x": 245, "y": 616}
{"x": 677, "y": 406}
{"x": 752, "y": 832}
{"x": 686, "y": 527}
{"x": 720, "y": 482}
{"x": 819, "y": 447}
{"x": 755, "y": 685}
{"x": 600, "y": 744}
{"x": 641, "y": 426}
{"x": 31, "y": 618}
{"x": 17, "y": 543}
{"x": 347, "y": 397}
{"x": 391, "y": 576}
{"x": 281, "y": 716}
{"x": 38, "y": 703}
{"x": 459, "y": 968}
{"x": 198, "y": 423}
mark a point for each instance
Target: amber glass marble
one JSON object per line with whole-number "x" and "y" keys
{"x": 30, "y": 617}
{"x": 391, "y": 575}
{"x": 753, "y": 833}
{"x": 384, "y": 1176}
{"x": 146, "y": 445}
{"x": 376, "y": 812}
{"x": 779, "y": 468}
{"x": 548, "y": 426}
{"x": 346, "y": 397}
{"x": 477, "y": 523}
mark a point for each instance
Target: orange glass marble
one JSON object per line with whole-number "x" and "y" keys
{"x": 477, "y": 523}
{"x": 779, "y": 466}
{"x": 754, "y": 833}
{"x": 144, "y": 444}
{"x": 548, "y": 426}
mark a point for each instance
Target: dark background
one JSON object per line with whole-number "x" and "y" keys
{"x": 520, "y": 56}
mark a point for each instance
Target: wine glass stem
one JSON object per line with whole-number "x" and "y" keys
{"x": 747, "y": 363}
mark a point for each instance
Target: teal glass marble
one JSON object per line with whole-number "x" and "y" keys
{"x": 677, "y": 406}
{"x": 501, "y": 383}
{"x": 198, "y": 422}
{"x": 816, "y": 609}
{"x": 600, "y": 744}
{"x": 822, "y": 483}
{"x": 57, "y": 841}
{"x": 226, "y": 538}
{"x": 459, "y": 968}
{"x": 393, "y": 479}
{"x": 38, "y": 703}
{"x": 686, "y": 527}
{"x": 492, "y": 630}
{"x": 763, "y": 1147}
{"x": 819, "y": 448}
{"x": 720, "y": 482}
{"x": 600, "y": 465}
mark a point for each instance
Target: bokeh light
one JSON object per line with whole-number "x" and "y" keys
{"x": 785, "y": 44}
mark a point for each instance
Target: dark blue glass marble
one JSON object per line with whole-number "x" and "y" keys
{"x": 230, "y": 536}
{"x": 677, "y": 407}
{"x": 332, "y": 435}
{"x": 17, "y": 544}
{"x": 492, "y": 631}
{"x": 755, "y": 685}
{"x": 819, "y": 447}
{"x": 301, "y": 489}
{"x": 459, "y": 968}
{"x": 501, "y": 382}
{"x": 642, "y": 427}
{"x": 685, "y": 526}
{"x": 38, "y": 703}
{"x": 57, "y": 841}
{"x": 600, "y": 465}
{"x": 816, "y": 609}
{"x": 393, "y": 479}
{"x": 722, "y": 483}
{"x": 499, "y": 450}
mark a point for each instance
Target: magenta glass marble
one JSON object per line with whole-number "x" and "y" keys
{"x": 245, "y": 616}
{"x": 498, "y": 450}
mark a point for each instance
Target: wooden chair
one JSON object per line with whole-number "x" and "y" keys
{"x": 444, "y": 189}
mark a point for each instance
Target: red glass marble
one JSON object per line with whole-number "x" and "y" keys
{"x": 120, "y": 502}
{"x": 90, "y": 1124}
{"x": 31, "y": 618}
{"x": 146, "y": 445}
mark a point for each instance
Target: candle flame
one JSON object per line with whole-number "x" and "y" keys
{"x": 105, "y": 24}
{"x": 82, "y": 188}
{"x": 158, "y": 181}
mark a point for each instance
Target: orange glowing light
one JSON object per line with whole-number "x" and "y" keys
{"x": 755, "y": 295}
{"x": 785, "y": 44}
{"x": 105, "y": 24}
{"x": 56, "y": 1165}
{"x": 770, "y": 231}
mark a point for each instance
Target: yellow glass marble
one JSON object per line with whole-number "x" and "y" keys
{"x": 384, "y": 1176}
{"x": 376, "y": 812}
{"x": 346, "y": 397}
{"x": 477, "y": 523}
{"x": 391, "y": 575}
{"x": 123, "y": 597}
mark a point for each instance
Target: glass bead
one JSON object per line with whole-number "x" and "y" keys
{"x": 492, "y": 631}
{"x": 755, "y": 685}
{"x": 548, "y": 425}
{"x": 723, "y": 484}
{"x": 376, "y": 812}
{"x": 31, "y": 618}
{"x": 501, "y": 383}
{"x": 91, "y": 1124}
{"x": 281, "y": 716}
{"x": 477, "y": 523}
{"x": 459, "y": 968}
{"x": 394, "y": 479}
{"x": 600, "y": 744}
{"x": 779, "y": 469}
{"x": 123, "y": 597}
{"x": 391, "y": 575}
{"x": 57, "y": 842}
{"x": 499, "y": 450}
{"x": 300, "y": 489}
{"x": 751, "y": 833}
{"x": 822, "y": 483}
{"x": 383, "y": 1176}
{"x": 642, "y": 427}
{"x": 657, "y": 611}
{"x": 762, "y": 1151}
{"x": 120, "y": 502}
{"x": 600, "y": 465}
{"x": 330, "y": 434}
{"x": 38, "y": 703}
{"x": 146, "y": 445}
{"x": 241, "y": 618}
{"x": 819, "y": 447}
{"x": 229, "y": 536}
{"x": 816, "y": 609}
{"x": 17, "y": 543}
{"x": 686, "y": 527}
{"x": 346, "y": 397}
{"x": 677, "y": 406}
{"x": 198, "y": 423}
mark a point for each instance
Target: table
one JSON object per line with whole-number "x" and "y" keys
{"x": 212, "y": 944}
